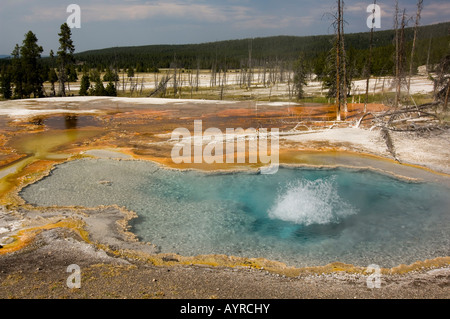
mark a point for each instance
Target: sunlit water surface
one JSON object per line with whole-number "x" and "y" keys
{"x": 297, "y": 216}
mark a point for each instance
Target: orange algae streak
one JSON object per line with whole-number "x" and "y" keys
{"x": 24, "y": 237}
{"x": 32, "y": 171}
{"x": 42, "y": 150}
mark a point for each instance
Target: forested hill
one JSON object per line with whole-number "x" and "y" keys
{"x": 235, "y": 53}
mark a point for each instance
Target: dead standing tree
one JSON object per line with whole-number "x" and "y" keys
{"x": 400, "y": 56}
{"x": 197, "y": 76}
{"x": 340, "y": 65}
{"x": 250, "y": 76}
{"x": 175, "y": 83}
{"x": 442, "y": 82}
{"x": 416, "y": 25}
{"x": 336, "y": 77}
{"x": 369, "y": 60}
{"x": 344, "y": 60}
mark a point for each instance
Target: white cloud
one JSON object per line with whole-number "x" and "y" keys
{"x": 137, "y": 10}
{"x": 435, "y": 10}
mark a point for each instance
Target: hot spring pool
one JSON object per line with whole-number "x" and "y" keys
{"x": 303, "y": 217}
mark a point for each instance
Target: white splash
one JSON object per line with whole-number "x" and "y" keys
{"x": 311, "y": 202}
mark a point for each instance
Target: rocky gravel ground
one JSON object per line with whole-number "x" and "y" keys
{"x": 41, "y": 271}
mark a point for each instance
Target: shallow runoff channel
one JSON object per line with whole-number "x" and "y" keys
{"x": 302, "y": 217}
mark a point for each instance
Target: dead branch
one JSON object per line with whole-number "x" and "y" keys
{"x": 419, "y": 128}
{"x": 392, "y": 113}
{"x": 408, "y": 119}
{"x": 404, "y": 112}
{"x": 363, "y": 118}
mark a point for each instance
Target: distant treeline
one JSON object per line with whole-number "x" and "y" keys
{"x": 24, "y": 73}
{"x": 258, "y": 52}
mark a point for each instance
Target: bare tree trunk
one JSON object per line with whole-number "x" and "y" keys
{"x": 419, "y": 10}
{"x": 156, "y": 78}
{"x": 401, "y": 56}
{"x": 175, "y": 84}
{"x": 344, "y": 67}
{"x": 375, "y": 86}
{"x": 53, "y": 89}
{"x": 281, "y": 72}
{"x": 270, "y": 92}
{"x": 213, "y": 80}
{"x": 123, "y": 82}
{"x": 264, "y": 74}
{"x": 428, "y": 56}
{"x": 142, "y": 85}
{"x": 446, "y": 99}
{"x": 198, "y": 76}
{"x": 338, "y": 66}
{"x": 241, "y": 75}
{"x": 369, "y": 64}
{"x": 250, "y": 49}
{"x": 224, "y": 83}
{"x": 191, "y": 82}
{"x": 190, "y": 79}
{"x": 131, "y": 86}
{"x": 180, "y": 83}
{"x": 116, "y": 76}
{"x": 397, "y": 55}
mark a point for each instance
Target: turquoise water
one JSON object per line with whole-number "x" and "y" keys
{"x": 297, "y": 216}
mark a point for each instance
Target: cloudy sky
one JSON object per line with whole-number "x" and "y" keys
{"x": 109, "y": 23}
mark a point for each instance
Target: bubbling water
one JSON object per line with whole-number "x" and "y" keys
{"x": 307, "y": 202}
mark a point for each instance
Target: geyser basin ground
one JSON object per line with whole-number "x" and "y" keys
{"x": 303, "y": 217}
